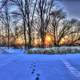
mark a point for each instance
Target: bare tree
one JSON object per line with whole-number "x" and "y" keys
{"x": 26, "y": 10}
{"x": 43, "y": 9}
{"x": 6, "y": 17}
{"x": 56, "y": 16}
{"x": 7, "y": 23}
{"x": 70, "y": 29}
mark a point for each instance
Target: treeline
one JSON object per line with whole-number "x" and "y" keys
{"x": 25, "y": 18}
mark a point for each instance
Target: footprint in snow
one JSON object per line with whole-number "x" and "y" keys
{"x": 33, "y": 71}
{"x": 33, "y": 68}
{"x": 37, "y": 76}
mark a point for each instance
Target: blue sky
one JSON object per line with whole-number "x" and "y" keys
{"x": 72, "y": 7}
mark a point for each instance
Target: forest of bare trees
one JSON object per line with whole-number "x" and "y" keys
{"x": 27, "y": 22}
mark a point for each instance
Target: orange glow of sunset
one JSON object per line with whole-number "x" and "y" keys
{"x": 62, "y": 41}
{"x": 65, "y": 40}
{"x": 36, "y": 42}
{"x": 48, "y": 39}
{"x": 19, "y": 41}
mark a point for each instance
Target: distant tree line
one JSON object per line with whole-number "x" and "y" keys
{"x": 24, "y": 17}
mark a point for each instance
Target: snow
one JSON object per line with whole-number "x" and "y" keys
{"x": 12, "y": 50}
{"x": 53, "y": 50}
{"x": 72, "y": 69}
{"x": 20, "y": 66}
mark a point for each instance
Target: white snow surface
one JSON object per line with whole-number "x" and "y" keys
{"x": 21, "y": 66}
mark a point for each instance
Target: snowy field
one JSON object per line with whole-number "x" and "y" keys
{"x": 19, "y": 66}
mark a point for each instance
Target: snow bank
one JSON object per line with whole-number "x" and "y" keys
{"x": 12, "y": 50}
{"x": 55, "y": 50}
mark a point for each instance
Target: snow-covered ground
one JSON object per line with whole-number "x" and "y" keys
{"x": 55, "y": 50}
{"x": 19, "y": 66}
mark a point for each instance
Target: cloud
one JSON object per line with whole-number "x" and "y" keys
{"x": 72, "y": 7}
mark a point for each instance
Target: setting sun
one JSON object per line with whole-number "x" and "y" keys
{"x": 48, "y": 39}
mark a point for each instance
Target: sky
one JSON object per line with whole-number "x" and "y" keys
{"x": 72, "y": 7}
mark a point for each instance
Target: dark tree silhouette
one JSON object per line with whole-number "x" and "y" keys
{"x": 27, "y": 15}
{"x": 6, "y": 17}
{"x": 43, "y": 9}
{"x": 56, "y": 16}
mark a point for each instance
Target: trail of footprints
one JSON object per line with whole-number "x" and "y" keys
{"x": 34, "y": 72}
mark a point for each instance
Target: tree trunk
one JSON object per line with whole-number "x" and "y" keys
{"x": 30, "y": 39}
{"x": 8, "y": 36}
{"x": 42, "y": 39}
{"x": 29, "y": 33}
{"x": 24, "y": 24}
